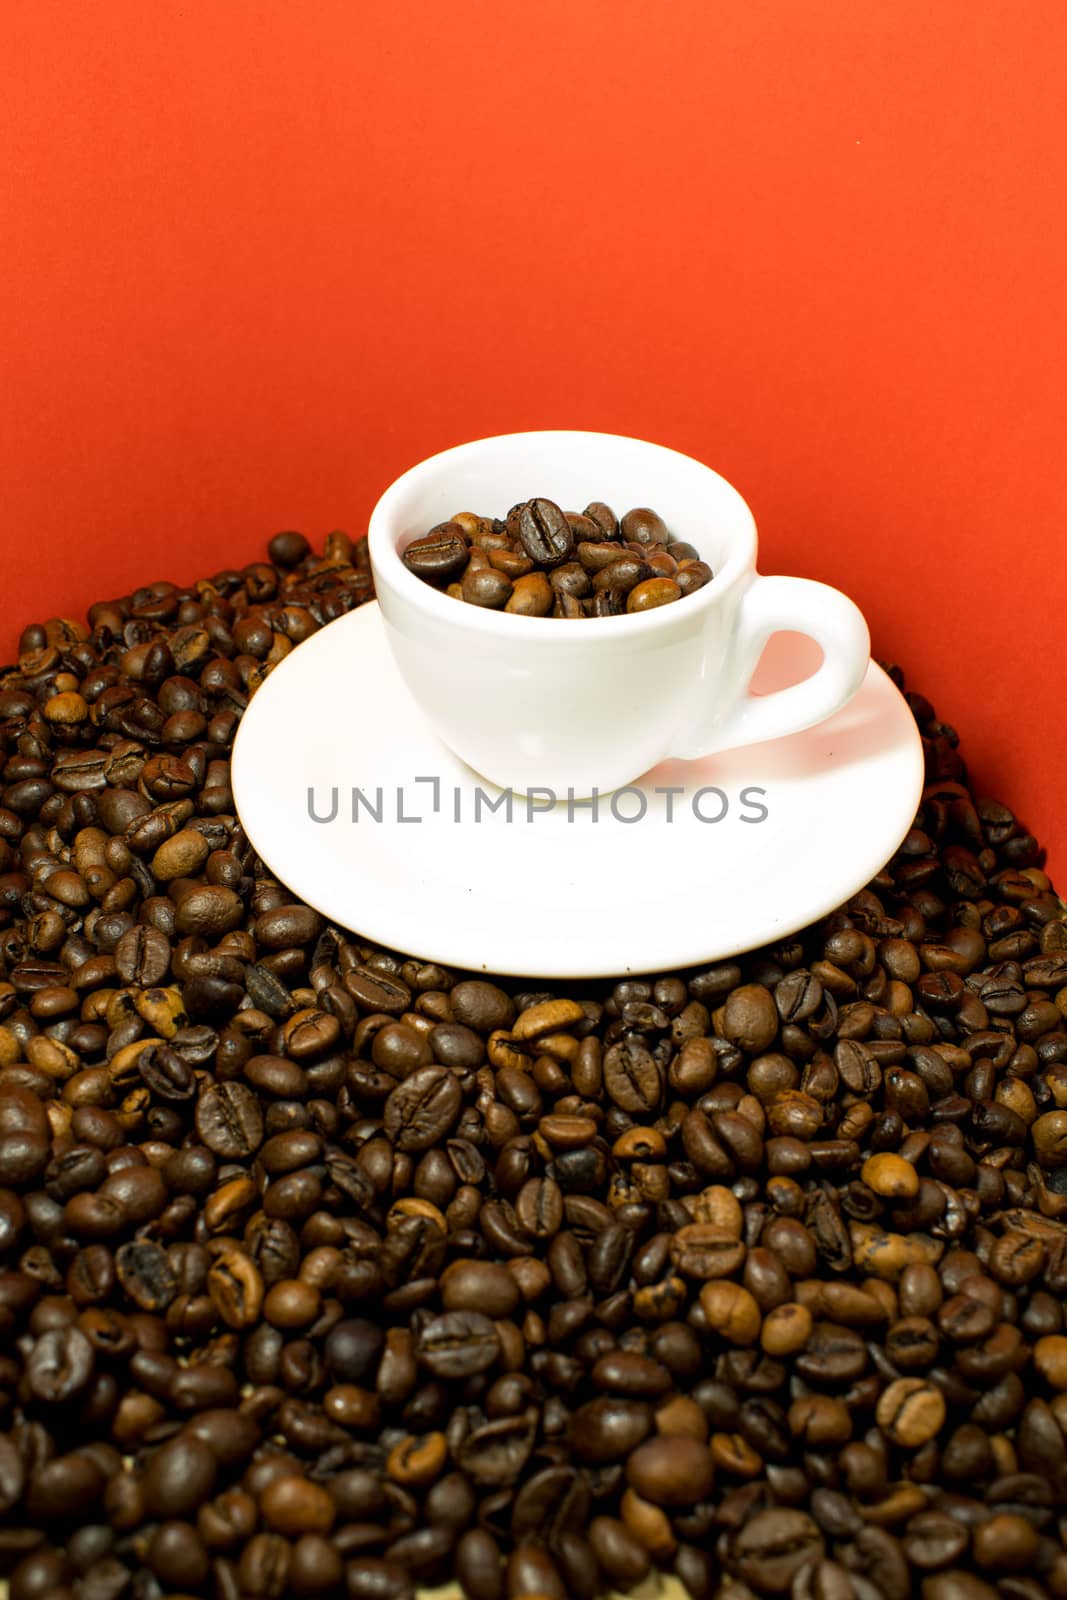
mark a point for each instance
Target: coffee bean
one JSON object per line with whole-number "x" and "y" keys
{"x": 750, "y": 1018}
{"x": 957, "y": 1585}
{"x": 377, "y": 991}
{"x": 229, "y": 1120}
{"x": 146, "y": 1274}
{"x": 910, "y": 1412}
{"x": 731, "y": 1311}
{"x": 773, "y": 1547}
{"x": 608, "y": 1429}
{"x": 497, "y": 1452}
{"x": 626, "y": 1372}
{"x": 539, "y": 1208}
{"x": 531, "y": 596}
{"x": 786, "y": 1329}
{"x": 479, "y": 1566}
{"x": 236, "y": 1288}
{"x": 423, "y": 1108}
{"x": 859, "y": 1069}
{"x": 623, "y": 575}
{"x": 143, "y": 956}
{"x": 671, "y": 1471}
{"x": 294, "y": 1505}
{"x": 458, "y": 1344}
{"x": 622, "y": 1558}
{"x": 632, "y": 1077}
{"x": 12, "y": 1474}
{"x": 890, "y": 1176}
{"x": 481, "y": 1006}
{"x": 288, "y": 549}
{"x": 59, "y": 1365}
{"x": 653, "y": 592}
{"x": 545, "y": 533}
{"x": 440, "y": 555}
{"x": 832, "y": 1355}
{"x": 701, "y": 1250}
{"x": 166, "y": 1074}
{"x": 179, "y": 1477}
{"x": 208, "y": 911}
{"x": 933, "y": 1539}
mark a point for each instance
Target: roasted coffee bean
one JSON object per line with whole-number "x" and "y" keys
{"x": 146, "y": 1274}
{"x": 859, "y": 1069}
{"x": 423, "y": 1108}
{"x": 440, "y": 555}
{"x": 235, "y": 1286}
{"x": 774, "y": 1547}
{"x": 671, "y": 1470}
{"x": 632, "y": 1077}
{"x": 143, "y": 956}
{"x": 531, "y": 596}
{"x": 458, "y": 1344}
{"x": 179, "y": 1477}
{"x": 59, "y": 1365}
{"x": 911, "y": 1412}
{"x": 608, "y": 1429}
{"x": 545, "y": 533}
{"x": 480, "y": 1566}
{"x": 166, "y": 1074}
{"x": 497, "y": 1452}
{"x": 539, "y": 1208}
{"x": 229, "y": 1120}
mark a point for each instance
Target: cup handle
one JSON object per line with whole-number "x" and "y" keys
{"x": 769, "y": 606}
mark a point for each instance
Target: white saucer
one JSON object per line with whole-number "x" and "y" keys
{"x": 547, "y": 895}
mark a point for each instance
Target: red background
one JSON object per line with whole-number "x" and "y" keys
{"x": 258, "y": 258}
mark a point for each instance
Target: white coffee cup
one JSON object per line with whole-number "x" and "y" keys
{"x": 591, "y": 704}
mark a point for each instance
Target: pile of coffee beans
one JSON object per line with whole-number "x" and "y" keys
{"x": 326, "y": 1272}
{"x": 540, "y": 561}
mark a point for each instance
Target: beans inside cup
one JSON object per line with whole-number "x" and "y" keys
{"x": 540, "y": 561}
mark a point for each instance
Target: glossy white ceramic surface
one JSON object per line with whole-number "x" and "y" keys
{"x": 529, "y": 701}
{"x": 556, "y": 892}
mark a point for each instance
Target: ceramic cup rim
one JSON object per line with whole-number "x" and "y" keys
{"x": 389, "y": 568}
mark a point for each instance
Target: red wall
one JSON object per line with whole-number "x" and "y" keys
{"x": 260, "y": 257}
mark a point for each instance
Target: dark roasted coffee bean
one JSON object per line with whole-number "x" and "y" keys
{"x": 143, "y": 956}
{"x": 773, "y": 1547}
{"x": 229, "y": 1120}
{"x": 545, "y": 533}
{"x": 146, "y": 1274}
{"x": 470, "y": 1285}
{"x": 632, "y": 1076}
{"x": 604, "y": 517}
{"x": 671, "y": 1470}
{"x": 59, "y": 1366}
{"x": 486, "y": 587}
{"x": 607, "y": 1429}
{"x": 497, "y": 1452}
{"x": 481, "y": 1006}
{"x": 179, "y": 1477}
{"x": 480, "y": 1566}
{"x": 12, "y": 1474}
{"x": 440, "y": 555}
{"x": 423, "y": 1108}
{"x": 458, "y": 1344}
